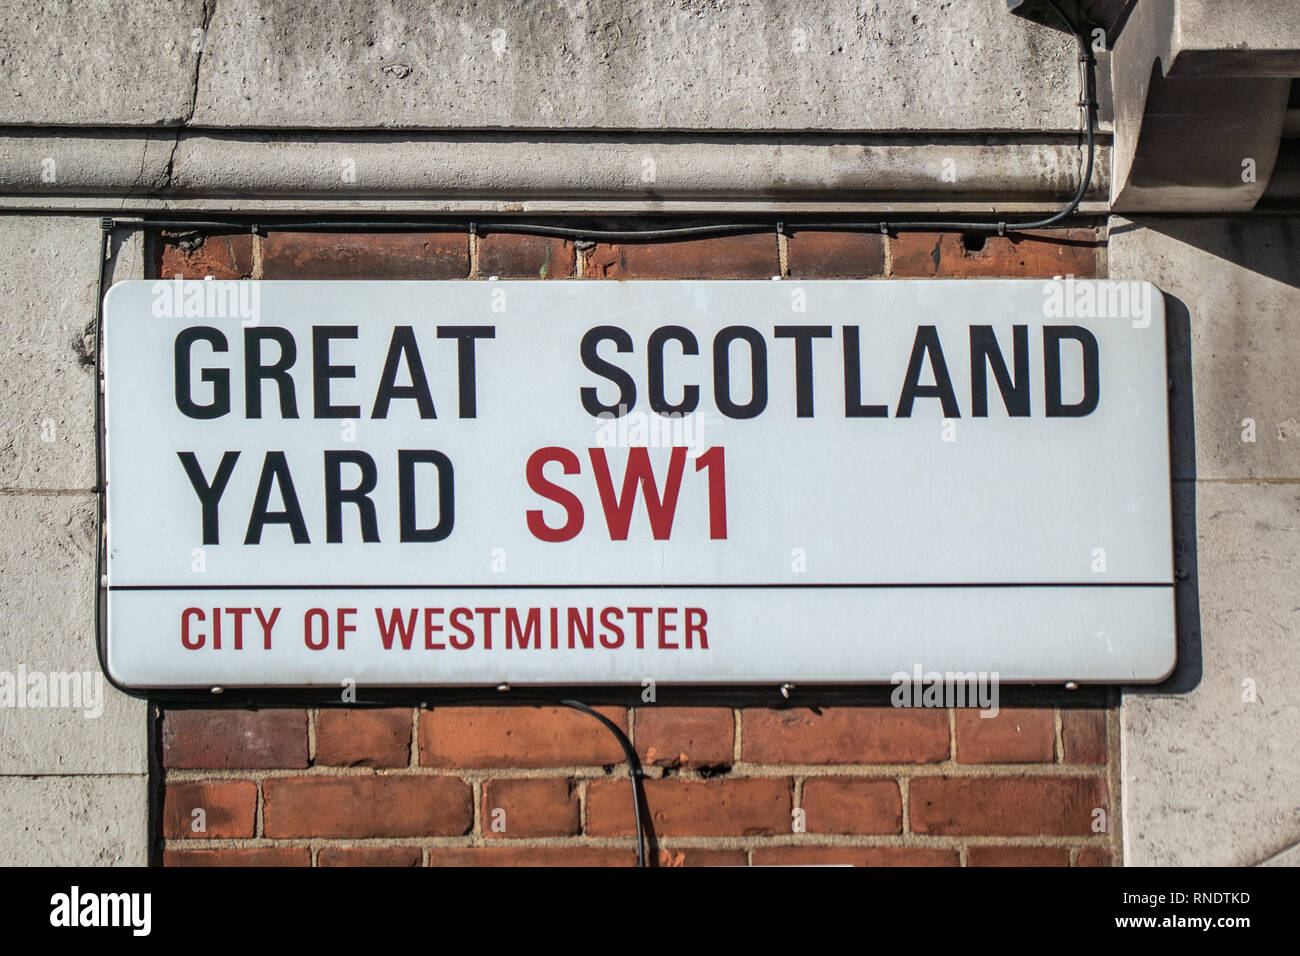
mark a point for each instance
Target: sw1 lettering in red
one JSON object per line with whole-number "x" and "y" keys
{"x": 618, "y": 505}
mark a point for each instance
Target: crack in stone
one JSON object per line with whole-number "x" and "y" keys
{"x": 209, "y": 11}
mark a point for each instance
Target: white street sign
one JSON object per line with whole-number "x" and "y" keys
{"x": 442, "y": 483}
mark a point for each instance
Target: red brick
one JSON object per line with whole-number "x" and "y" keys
{"x": 222, "y": 257}
{"x": 532, "y": 856}
{"x": 235, "y": 739}
{"x": 1025, "y": 735}
{"x": 1094, "y": 856}
{"x": 742, "y": 807}
{"x": 1017, "y": 856}
{"x": 361, "y": 255}
{"x": 533, "y": 808}
{"x": 370, "y": 806}
{"x": 852, "y": 805}
{"x": 814, "y": 254}
{"x": 1038, "y": 254}
{"x": 686, "y": 736}
{"x": 1006, "y": 806}
{"x": 259, "y": 856}
{"x": 1083, "y": 736}
{"x": 699, "y": 856}
{"x": 229, "y": 808}
{"x": 840, "y": 735}
{"x": 363, "y": 738}
{"x": 725, "y": 257}
{"x": 492, "y": 736}
{"x": 855, "y": 856}
{"x": 370, "y": 856}
{"x": 524, "y": 257}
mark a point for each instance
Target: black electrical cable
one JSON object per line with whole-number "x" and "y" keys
{"x": 407, "y": 225}
{"x": 634, "y": 768}
{"x": 105, "y": 249}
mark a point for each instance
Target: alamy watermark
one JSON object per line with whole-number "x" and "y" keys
{"x": 21, "y": 689}
{"x": 638, "y": 429}
{"x": 75, "y": 909}
{"x": 946, "y": 689}
{"x": 1065, "y": 298}
{"x": 209, "y": 299}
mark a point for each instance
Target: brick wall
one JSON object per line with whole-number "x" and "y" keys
{"x": 408, "y": 787}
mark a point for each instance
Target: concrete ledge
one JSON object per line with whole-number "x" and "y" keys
{"x": 492, "y": 169}
{"x": 1200, "y": 91}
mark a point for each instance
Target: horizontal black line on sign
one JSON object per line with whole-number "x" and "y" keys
{"x": 643, "y": 587}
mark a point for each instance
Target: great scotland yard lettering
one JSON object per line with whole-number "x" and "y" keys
{"x": 413, "y": 483}
{"x": 403, "y": 356}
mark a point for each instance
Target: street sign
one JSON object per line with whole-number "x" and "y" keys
{"x": 697, "y": 482}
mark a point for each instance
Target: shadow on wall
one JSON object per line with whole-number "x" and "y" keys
{"x": 1269, "y": 253}
{"x": 1182, "y": 454}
